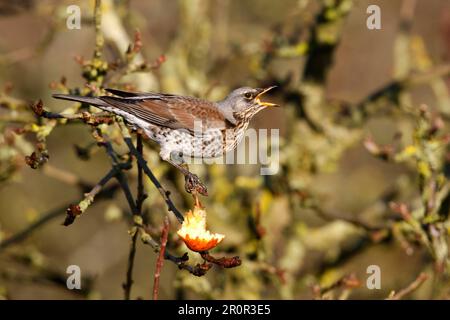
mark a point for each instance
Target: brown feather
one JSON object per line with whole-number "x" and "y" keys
{"x": 171, "y": 111}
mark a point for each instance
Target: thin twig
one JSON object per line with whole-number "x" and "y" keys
{"x": 99, "y": 41}
{"x": 87, "y": 117}
{"x": 160, "y": 261}
{"x": 356, "y": 222}
{"x": 62, "y": 175}
{"x": 181, "y": 262}
{"x": 75, "y": 210}
{"x": 121, "y": 177}
{"x": 141, "y": 196}
{"x": 349, "y": 281}
{"x": 43, "y": 274}
{"x": 139, "y": 201}
{"x": 22, "y": 235}
{"x": 130, "y": 265}
{"x": 164, "y": 193}
{"x": 135, "y": 208}
{"x": 412, "y": 287}
{"x": 223, "y": 262}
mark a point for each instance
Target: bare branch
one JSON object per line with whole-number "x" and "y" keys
{"x": 413, "y": 286}
{"x": 160, "y": 261}
{"x": 164, "y": 193}
{"x": 139, "y": 201}
{"x": 45, "y": 218}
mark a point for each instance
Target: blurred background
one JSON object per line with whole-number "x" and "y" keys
{"x": 363, "y": 150}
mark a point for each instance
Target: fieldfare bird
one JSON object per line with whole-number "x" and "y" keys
{"x": 184, "y": 126}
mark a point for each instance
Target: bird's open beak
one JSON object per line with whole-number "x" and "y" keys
{"x": 263, "y": 103}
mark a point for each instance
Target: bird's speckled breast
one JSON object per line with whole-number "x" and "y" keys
{"x": 209, "y": 144}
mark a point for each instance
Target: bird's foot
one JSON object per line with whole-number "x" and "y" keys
{"x": 192, "y": 181}
{"x": 194, "y": 185}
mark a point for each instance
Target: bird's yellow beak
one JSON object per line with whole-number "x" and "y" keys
{"x": 263, "y": 103}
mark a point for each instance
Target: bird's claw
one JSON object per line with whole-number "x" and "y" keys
{"x": 193, "y": 184}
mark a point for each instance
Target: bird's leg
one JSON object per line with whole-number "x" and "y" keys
{"x": 192, "y": 181}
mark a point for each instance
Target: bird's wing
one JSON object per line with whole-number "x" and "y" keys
{"x": 137, "y": 95}
{"x": 176, "y": 112}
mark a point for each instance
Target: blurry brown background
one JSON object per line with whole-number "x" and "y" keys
{"x": 209, "y": 52}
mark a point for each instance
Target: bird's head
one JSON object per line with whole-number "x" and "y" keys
{"x": 244, "y": 103}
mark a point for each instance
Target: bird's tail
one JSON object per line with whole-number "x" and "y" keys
{"x": 89, "y": 100}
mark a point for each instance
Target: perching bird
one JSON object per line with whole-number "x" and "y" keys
{"x": 183, "y": 125}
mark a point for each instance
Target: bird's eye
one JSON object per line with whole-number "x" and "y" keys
{"x": 248, "y": 95}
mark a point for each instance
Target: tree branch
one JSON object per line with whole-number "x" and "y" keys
{"x": 164, "y": 193}
{"x": 75, "y": 210}
{"x": 139, "y": 201}
{"x": 22, "y": 235}
{"x": 160, "y": 261}
{"x": 412, "y": 287}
